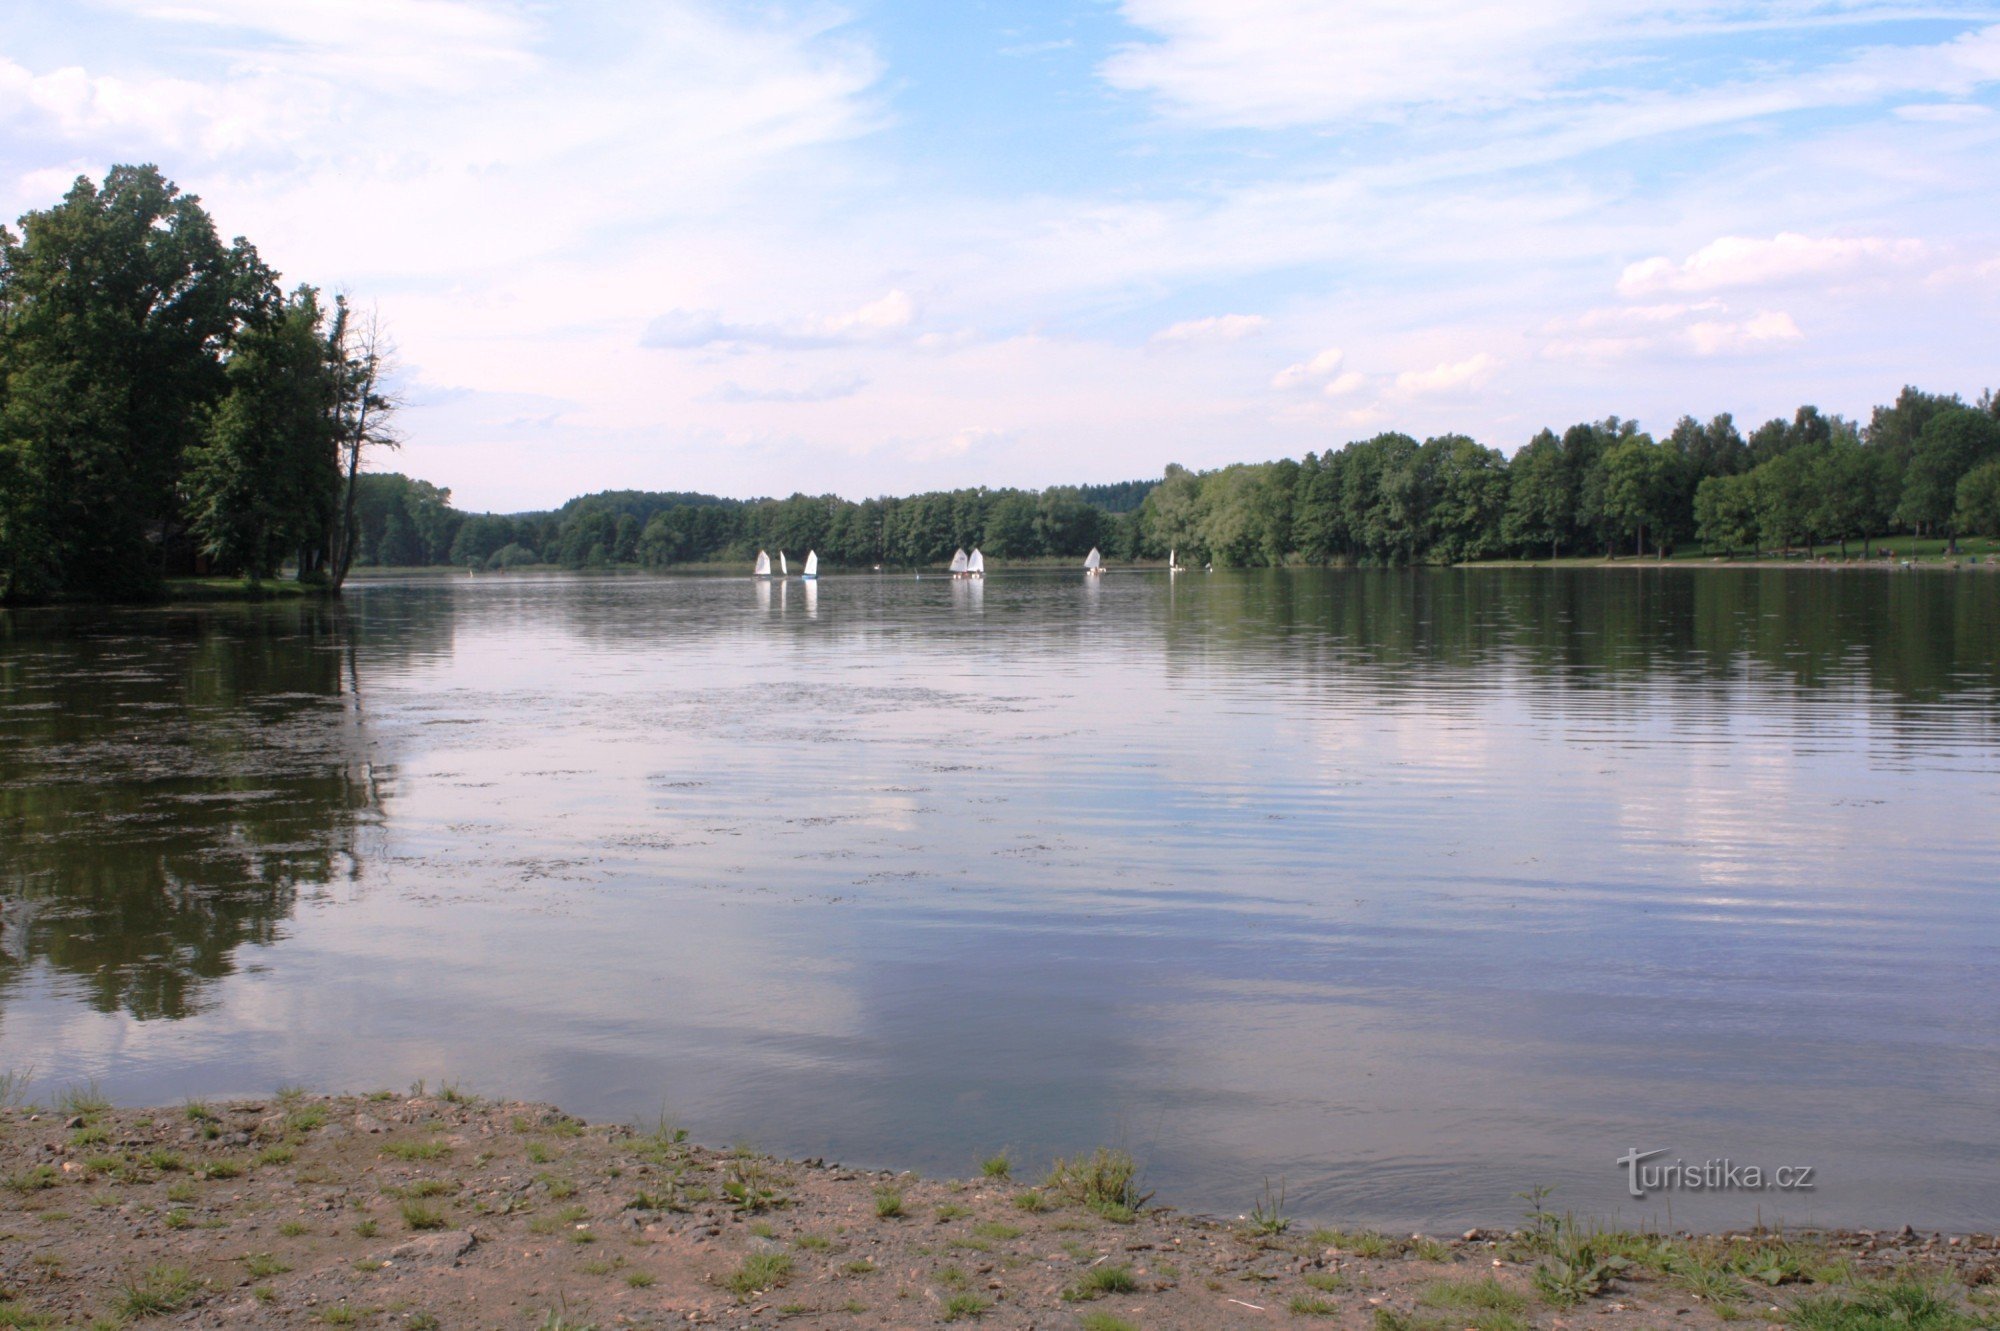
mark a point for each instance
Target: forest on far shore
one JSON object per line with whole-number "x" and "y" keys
{"x": 1927, "y": 464}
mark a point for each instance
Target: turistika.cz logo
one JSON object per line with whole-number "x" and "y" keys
{"x": 1723, "y": 1175}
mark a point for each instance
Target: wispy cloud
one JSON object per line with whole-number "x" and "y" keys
{"x": 826, "y": 391}
{"x": 1217, "y": 328}
{"x": 1742, "y": 261}
{"x": 1475, "y": 371}
{"x": 876, "y": 321}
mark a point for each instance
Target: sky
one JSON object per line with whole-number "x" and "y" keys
{"x": 886, "y": 246}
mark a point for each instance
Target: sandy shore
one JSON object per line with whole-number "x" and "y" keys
{"x": 441, "y": 1211}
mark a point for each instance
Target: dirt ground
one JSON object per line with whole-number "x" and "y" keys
{"x": 438, "y": 1211}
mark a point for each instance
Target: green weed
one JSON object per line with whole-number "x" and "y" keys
{"x": 163, "y": 1289}
{"x": 760, "y": 1271}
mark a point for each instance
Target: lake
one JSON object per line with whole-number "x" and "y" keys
{"x": 1412, "y": 890}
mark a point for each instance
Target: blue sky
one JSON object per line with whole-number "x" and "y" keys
{"x": 884, "y": 246}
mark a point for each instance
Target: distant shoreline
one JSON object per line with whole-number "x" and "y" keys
{"x": 228, "y": 590}
{"x": 450, "y": 1210}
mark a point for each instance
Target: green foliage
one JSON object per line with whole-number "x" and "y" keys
{"x": 1978, "y": 511}
{"x": 1483, "y": 1295}
{"x": 1096, "y": 1320}
{"x": 961, "y": 1306}
{"x": 263, "y": 481}
{"x": 760, "y": 1271}
{"x": 162, "y": 1289}
{"x": 1952, "y": 443}
{"x": 419, "y": 1216}
{"x": 1899, "y": 1307}
{"x": 1107, "y": 1181}
{"x": 1099, "y": 1281}
{"x": 1268, "y": 1215}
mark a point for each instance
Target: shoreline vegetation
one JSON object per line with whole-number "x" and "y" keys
{"x": 436, "y": 1208}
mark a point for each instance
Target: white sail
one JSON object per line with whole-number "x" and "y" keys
{"x": 763, "y": 564}
{"x": 976, "y": 564}
{"x": 812, "y": 563}
{"x": 784, "y": 569}
{"x": 1093, "y": 561}
{"x": 958, "y": 561}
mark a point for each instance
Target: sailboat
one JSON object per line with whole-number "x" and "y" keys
{"x": 1173, "y": 562}
{"x": 784, "y": 569}
{"x": 812, "y": 564}
{"x": 1093, "y": 564}
{"x": 975, "y": 567}
{"x": 958, "y": 562}
{"x": 763, "y": 564}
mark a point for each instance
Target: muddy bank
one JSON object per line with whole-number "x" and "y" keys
{"x": 438, "y": 1211}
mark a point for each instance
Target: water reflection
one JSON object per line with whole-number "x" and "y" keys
{"x": 1349, "y": 877}
{"x": 170, "y": 782}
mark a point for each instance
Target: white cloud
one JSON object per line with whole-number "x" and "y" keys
{"x": 826, "y": 390}
{"x": 1705, "y": 328}
{"x": 1946, "y": 113}
{"x": 1342, "y": 385}
{"x": 1744, "y": 261}
{"x": 876, "y": 321}
{"x": 1760, "y": 332}
{"x": 1307, "y": 372}
{"x": 1218, "y": 328}
{"x": 1286, "y": 63}
{"x": 1271, "y": 63}
{"x": 1449, "y": 376}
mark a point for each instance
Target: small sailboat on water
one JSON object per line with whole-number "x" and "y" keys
{"x": 958, "y": 562}
{"x": 1173, "y": 562}
{"x": 975, "y": 565}
{"x": 812, "y": 564}
{"x": 1093, "y": 564}
{"x": 763, "y": 564}
{"x": 784, "y": 569}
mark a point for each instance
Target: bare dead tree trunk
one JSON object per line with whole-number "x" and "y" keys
{"x": 366, "y": 410}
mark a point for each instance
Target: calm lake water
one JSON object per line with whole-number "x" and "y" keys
{"x": 1411, "y": 889}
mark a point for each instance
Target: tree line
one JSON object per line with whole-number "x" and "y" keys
{"x": 402, "y": 522}
{"x": 166, "y": 407}
{"x": 1927, "y": 464}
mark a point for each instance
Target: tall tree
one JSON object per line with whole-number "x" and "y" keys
{"x": 116, "y": 306}
{"x": 1540, "y": 500}
{"x": 364, "y": 419}
{"x": 264, "y": 479}
{"x": 1952, "y": 443}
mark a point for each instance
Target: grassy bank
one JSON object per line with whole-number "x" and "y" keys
{"x": 183, "y": 590}
{"x": 432, "y": 1210}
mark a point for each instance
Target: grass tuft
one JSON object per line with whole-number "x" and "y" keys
{"x": 163, "y": 1289}
{"x": 760, "y": 1271}
{"x": 961, "y": 1306}
{"x": 1103, "y": 1321}
{"x": 1107, "y": 1182}
{"x": 1905, "y": 1306}
{"x": 1483, "y": 1295}
{"x": 1099, "y": 1281}
{"x": 417, "y": 1215}
{"x": 431, "y": 1150}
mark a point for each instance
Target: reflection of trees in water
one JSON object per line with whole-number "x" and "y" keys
{"x": 169, "y": 783}
{"x": 1913, "y": 639}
